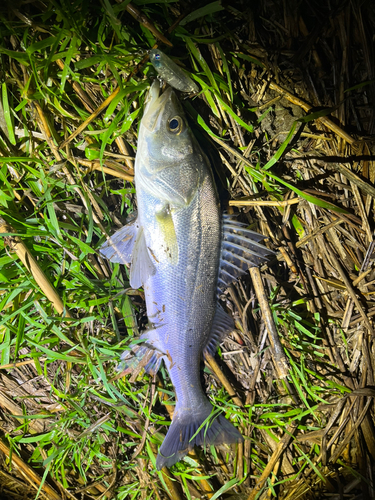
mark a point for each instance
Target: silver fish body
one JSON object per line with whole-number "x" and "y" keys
{"x": 175, "y": 249}
{"x": 178, "y": 210}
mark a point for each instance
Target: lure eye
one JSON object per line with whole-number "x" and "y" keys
{"x": 157, "y": 57}
{"x": 175, "y": 125}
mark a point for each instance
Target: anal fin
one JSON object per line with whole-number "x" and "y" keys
{"x": 148, "y": 354}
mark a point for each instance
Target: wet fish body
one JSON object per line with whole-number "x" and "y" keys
{"x": 179, "y": 250}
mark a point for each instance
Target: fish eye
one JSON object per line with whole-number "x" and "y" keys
{"x": 175, "y": 125}
{"x": 157, "y": 57}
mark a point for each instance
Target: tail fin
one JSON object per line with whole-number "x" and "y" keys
{"x": 179, "y": 439}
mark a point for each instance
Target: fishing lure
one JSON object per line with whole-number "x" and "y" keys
{"x": 171, "y": 73}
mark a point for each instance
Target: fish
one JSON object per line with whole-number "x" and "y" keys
{"x": 184, "y": 252}
{"x": 171, "y": 73}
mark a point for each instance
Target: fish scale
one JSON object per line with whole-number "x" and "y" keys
{"x": 182, "y": 252}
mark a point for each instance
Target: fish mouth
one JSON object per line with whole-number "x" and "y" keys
{"x": 156, "y": 104}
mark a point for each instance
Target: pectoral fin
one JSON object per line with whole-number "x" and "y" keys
{"x": 168, "y": 247}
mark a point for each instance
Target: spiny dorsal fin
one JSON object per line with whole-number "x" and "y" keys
{"x": 240, "y": 249}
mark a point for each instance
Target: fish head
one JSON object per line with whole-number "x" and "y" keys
{"x": 165, "y": 129}
{"x": 170, "y": 162}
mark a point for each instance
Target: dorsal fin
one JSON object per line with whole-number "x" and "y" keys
{"x": 222, "y": 325}
{"x": 240, "y": 249}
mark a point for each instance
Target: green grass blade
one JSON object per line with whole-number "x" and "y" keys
{"x": 226, "y": 70}
{"x": 198, "y": 56}
{"x": 8, "y": 114}
{"x": 67, "y": 61}
{"x": 209, "y": 9}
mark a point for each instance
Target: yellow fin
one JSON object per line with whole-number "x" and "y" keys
{"x": 169, "y": 245}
